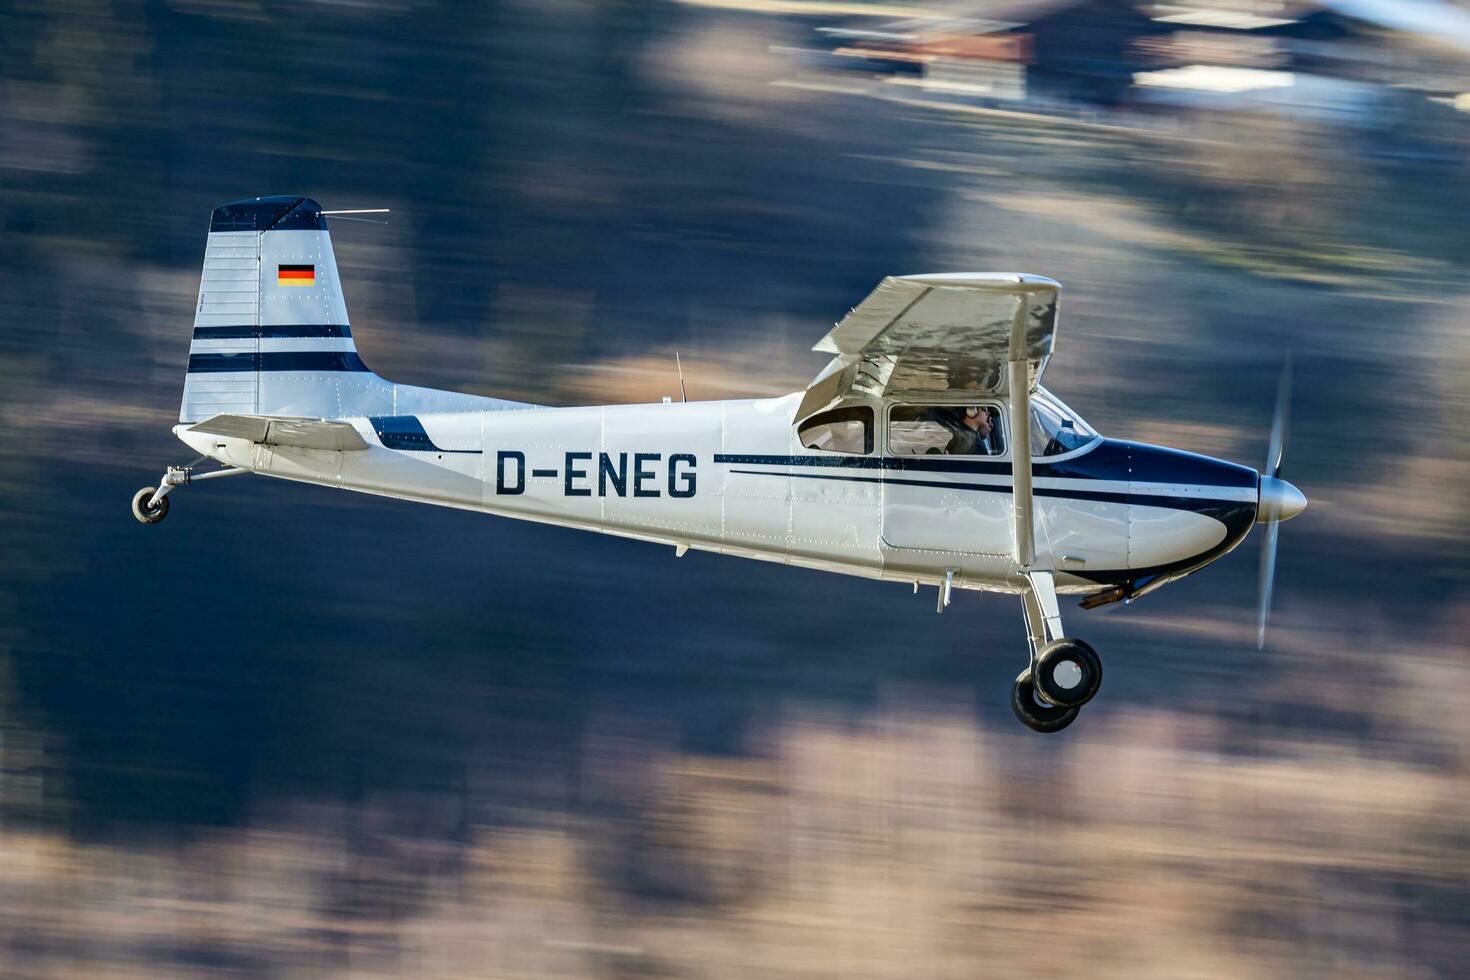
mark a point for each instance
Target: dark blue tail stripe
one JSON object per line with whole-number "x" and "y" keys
{"x": 283, "y": 331}
{"x": 306, "y": 360}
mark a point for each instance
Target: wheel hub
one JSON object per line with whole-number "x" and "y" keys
{"x": 1067, "y": 674}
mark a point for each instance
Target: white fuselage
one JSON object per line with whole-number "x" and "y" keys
{"x": 731, "y": 477}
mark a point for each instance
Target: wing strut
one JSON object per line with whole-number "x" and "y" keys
{"x": 1019, "y": 383}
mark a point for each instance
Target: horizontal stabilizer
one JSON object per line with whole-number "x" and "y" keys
{"x": 274, "y": 431}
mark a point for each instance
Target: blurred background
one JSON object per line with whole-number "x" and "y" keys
{"x": 294, "y": 732}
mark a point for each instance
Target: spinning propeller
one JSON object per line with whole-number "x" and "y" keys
{"x": 1279, "y": 501}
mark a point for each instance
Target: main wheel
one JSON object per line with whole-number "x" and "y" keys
{"x": 1067, "y": 673}
{"x": 1035, "y": 713}
{"x": 143, "y": 512}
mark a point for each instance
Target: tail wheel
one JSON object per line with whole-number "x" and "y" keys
{"x": 143, "y": 511}
{"x": 1035, "y": 713}
{"x": 1067, "y": 673}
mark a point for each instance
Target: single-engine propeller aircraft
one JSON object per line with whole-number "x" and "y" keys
{"x": 926, "y": 452}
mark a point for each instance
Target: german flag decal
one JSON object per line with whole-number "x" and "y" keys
{"x": 296, "y": 275}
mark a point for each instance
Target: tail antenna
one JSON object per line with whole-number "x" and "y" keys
{"x": 357, "y": 215}
{"x": 683, "y": 395}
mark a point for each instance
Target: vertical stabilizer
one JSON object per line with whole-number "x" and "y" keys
{"x": 271, "y": 335}
{"x": 270, "y": 329}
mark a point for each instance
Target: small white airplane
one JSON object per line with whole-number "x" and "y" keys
{"x": 899, "y": 461}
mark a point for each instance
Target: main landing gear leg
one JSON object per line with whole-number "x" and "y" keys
{"x": 1064, "y": 674}
{"x": 150, "y": 504}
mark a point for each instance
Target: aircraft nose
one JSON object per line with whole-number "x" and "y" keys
{"x": 1279, "y": 501}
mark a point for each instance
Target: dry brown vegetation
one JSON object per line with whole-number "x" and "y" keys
{"x": 914, "y": 843}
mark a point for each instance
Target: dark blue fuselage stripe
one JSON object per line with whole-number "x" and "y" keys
{"x": 918, "y": 464}
{"x": 284, "y": 331}
{"x": 1106, "y": 459}
{"x": 1197, "y": 504}
{"x": 406, "y": 433}
{"x": 304, "y": 360}
{"x": 938, "y": 464}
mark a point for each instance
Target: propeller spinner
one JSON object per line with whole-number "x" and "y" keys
{"x": 1278, "y": 501}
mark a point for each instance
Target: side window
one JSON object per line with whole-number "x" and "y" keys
{"x": 947, "y": 430}
{"x": 842, "y": 430}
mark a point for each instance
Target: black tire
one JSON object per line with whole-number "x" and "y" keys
{"x": 146, "y": 514}
{"x": 1067, "y": 673}
{"x": 1035, "y": 713}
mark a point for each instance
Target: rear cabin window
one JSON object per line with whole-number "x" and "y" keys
{"x": 945, "y": 430}
{"x": 842, "y": 430}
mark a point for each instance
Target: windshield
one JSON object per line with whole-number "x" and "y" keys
{"x": 1055, "y": 428}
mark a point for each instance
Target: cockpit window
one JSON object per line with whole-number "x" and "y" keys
{"x": 842, "y": 430}
{"x": 950, "y": 430}
{"x": 1055, "y": 429}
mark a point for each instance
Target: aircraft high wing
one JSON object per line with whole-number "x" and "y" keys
{"x": 938, "y": 333}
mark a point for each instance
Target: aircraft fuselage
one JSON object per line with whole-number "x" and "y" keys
{"x": 731, "y": 477}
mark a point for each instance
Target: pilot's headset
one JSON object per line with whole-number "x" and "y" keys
{"x": 973, "y": 411}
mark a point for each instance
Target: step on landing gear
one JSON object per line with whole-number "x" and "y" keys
{"x": 1065, "y": 673}
{"x": 150, "y": 504}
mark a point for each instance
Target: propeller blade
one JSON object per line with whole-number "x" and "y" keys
{"x": 1267, "y": 581}
{"x": 1280, "y": 421}
{"x": 1275, "y": 457}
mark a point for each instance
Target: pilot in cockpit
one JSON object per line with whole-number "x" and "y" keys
{"x": 973, "y": 435}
